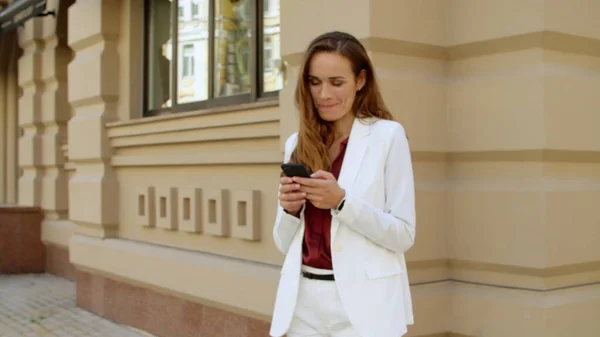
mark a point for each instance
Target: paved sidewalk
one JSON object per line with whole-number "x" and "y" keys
{"x": 44, "y": 305}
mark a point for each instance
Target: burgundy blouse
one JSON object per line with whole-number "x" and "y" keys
{"x": 316, "y": 247}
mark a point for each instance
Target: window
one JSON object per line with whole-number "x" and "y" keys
{"x": 188, "y": 60}
{"x": 181, "y": 12}
{"x": 207, "y": 53}
{"x": 196, "y": 9}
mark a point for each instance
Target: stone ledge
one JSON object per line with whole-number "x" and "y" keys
{"x": 9, "y": 208}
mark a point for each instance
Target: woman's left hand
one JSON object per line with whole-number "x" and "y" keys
{"x": 322, "y": 189}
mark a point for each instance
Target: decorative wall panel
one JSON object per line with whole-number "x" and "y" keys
{"x": 245, "y": 211}
{"x": 190, "y": 209}
{"x": 146, "y": 211}
{"x": 166, "y": 208}
{"x": 216, "y": 215}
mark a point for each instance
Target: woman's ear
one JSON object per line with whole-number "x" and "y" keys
{"x": 361, "y": 80}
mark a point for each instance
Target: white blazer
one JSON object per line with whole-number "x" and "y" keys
{"x": 369, "y": 236}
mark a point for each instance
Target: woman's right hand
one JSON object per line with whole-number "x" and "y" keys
{"x": 290, "y": 196}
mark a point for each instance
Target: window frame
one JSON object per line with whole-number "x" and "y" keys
{"x": 256, "y": 66}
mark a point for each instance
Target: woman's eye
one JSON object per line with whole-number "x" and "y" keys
{"x": 337, "y": 84}
{"x": 314, "y": 82}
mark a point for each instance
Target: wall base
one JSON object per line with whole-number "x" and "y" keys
{"x": 58, "y": 264}
{"x": 160, "y": 314}
{"x": 21, "y": 247}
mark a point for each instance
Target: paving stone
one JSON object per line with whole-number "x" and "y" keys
{"x": 43, "y": 305}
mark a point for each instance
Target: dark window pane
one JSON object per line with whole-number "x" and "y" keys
{"x": 233, "y": 26}
{"x": 188, "y": 60}
{"x": 195, "y": 8}
{"x": 159, "y": 54}
{"x": 181, "y": 12}
{"x": 192, "y": 58}
{"x": 272, "y": 63}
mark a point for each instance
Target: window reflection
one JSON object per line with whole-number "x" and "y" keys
{"x": 159, "y": 54}
{"x": 233, "y": 38}
{"x": 192, "y": 51}
{"x": 272, "y": 64}
{"x": 185, "y": 66}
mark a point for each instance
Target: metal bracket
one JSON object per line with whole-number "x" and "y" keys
{"x": 46, "y": 13}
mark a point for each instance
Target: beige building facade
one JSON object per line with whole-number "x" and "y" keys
{"x": 155, "y": 156}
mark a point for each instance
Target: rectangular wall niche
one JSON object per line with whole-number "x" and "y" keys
{"x": 214, "y": 212}
{"x": 145, "y": 213}
{"x": 245, "y": 215}
{"x": 190, "y": 209}
{"x": 166, "y": 208}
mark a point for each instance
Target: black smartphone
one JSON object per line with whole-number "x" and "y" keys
{"x": 295, "y": 170}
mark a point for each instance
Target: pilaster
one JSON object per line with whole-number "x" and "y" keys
{"x": 55, "y": 113}
{"x": 571, "y": 122}
{"x": 404, "y": 41}
{"x": 94, "y": 28}
{"x": 350, "y": 16}
{"x": 522, "y": 109}
{"x": 31, "y": 40}
{"x": 12, "y": 130}
{"x": 9, "y": 129}
{"x": 3, "y": 113}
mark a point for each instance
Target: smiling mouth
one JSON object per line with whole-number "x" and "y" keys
{"x": 327, "y": 106}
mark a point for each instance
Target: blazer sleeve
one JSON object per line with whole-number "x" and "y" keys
{"x": 286, "y": 225}
{"x": 394, "y": 226}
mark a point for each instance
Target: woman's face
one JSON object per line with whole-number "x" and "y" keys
{"x": 333, "y": 85}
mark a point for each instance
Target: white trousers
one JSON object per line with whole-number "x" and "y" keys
{"x": 319, "y": 311}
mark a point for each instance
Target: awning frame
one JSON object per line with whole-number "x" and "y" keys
{"x": 18, "y": 12}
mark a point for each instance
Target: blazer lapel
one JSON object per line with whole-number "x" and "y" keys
{"x": 355, "y": 151}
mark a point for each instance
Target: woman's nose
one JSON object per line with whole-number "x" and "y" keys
{"x": 325, "y": 92}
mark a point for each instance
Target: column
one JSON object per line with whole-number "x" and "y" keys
{"x": 9, "y": 129}
{"x": 406, "y": 45}
{"x": 405, "y": 42}
{"x": 3, "y": 113}
{"x": 30, "y": 107}
{"x": 12, "y": 128}
{"x": 54, "y": 115}
{"x": 296, "y": 35}
{"x": 571, "y": 166}
{"x": 522, "y": 108}
{"x": 93, "y": 94}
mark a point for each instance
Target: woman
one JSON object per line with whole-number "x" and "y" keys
{"x": 345, "y": 229}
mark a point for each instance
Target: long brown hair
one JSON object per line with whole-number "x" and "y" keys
{"x": 315, "y": 135}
